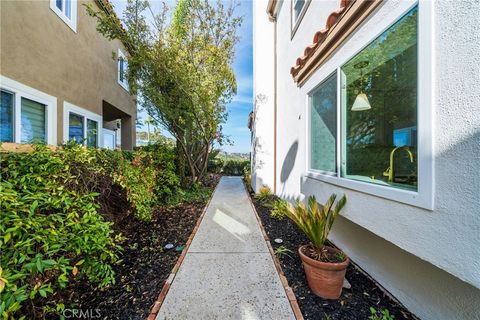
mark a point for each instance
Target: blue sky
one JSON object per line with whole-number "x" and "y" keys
{"x": 236, "y": 126}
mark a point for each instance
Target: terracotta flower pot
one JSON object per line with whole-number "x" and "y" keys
{"x": 325, "y": 279}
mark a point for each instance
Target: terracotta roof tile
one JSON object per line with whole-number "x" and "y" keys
{"x": 320, "y": 36}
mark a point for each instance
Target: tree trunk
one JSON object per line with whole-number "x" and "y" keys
{"x": 180, "y": 165}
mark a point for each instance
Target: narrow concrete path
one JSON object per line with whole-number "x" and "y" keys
{"x": 228, "y": 272}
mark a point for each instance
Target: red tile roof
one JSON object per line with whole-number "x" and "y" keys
{"x": 320, "y": 36}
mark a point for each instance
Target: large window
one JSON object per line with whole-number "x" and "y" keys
{"x": 384, "y": 145}
{"x": 323, "y": 125}
{"x": 26, "y": 114}
{"x": 380, "y": 107}
{"x": 6, "y": 116}
{"x": 66, "y": 10}
{"x": 81, "y": 125}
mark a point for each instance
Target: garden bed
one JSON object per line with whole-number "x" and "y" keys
{"x": 354, "y": 303}
{"x": 145, "y": 265}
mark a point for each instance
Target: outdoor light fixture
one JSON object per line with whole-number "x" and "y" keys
{"x": 361, "y": 102}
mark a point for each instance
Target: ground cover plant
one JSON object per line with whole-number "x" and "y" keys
{"x": 67, "y": 217}
{"x": 356, "y": 302}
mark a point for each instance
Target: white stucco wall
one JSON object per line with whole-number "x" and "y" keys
{"x": 429, "y": 259}
{"x": 263, "y": 80}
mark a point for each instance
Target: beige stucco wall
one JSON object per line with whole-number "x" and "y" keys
{"x": 39, "y": 50}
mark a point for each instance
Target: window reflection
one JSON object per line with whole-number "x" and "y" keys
{"x": 379, "y": 102}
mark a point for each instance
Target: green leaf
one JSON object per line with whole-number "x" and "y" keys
{"x": 43, "y": 293}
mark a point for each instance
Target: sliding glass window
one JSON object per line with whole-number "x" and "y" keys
{"x": 323, "y": 126}
{"x": 379, "y": 109}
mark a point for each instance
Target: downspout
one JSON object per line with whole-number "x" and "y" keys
{"x": 275, "y": 106}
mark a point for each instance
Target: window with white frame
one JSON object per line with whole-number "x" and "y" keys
{"x": 378, "y": 147}
{"x": 26, "y": 115}
{"x": 67, "y": 11}
{"x": 298, "y": 9}
{"x": 122, "y": 69}
{"x": 81, "y": 125}
{"x": 379, "y": 103}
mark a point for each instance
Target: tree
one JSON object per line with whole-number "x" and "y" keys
{"x": 182, "y": 70}
{"x": 149, "y": 121}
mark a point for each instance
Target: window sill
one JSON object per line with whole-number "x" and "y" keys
{"x": 124, "y": 86}
{"x": 416, "y": 199}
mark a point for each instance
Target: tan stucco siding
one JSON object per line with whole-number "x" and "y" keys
{"x": 39, "y": 50}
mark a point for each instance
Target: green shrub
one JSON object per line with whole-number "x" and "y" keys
{"x": 235, "y": 167}
{"x": 136, "y": 178}
{"x": 162, "y": 158}
{"x": 215, "y": 165}
{"x": 278, "y": 209}
{"x": 50, "y": 228}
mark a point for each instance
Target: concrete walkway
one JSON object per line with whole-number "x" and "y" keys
{"x": 228, "y": 272}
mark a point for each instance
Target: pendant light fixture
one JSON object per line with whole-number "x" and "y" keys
{"x": 361, "y": 102}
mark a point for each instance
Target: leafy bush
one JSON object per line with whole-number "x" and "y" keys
{"x": 235, "y": 167}
{"x": 53, "y": 210}
{"x": 50, "y": 231}
{"x": 99, "y": 170}
{"x": 228, "y": 167}
{"x": 215, "y": 165}
{"x": 162, "y": 158}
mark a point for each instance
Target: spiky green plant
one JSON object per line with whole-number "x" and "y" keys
{"x": 282, "y": 251}
{"x": 315, "y": 220}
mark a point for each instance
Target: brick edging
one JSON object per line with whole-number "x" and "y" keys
{"x": 166, "y": 286}
{"x": 288, "y": 290}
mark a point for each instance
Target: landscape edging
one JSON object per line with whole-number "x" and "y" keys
{"x": 288, "y": 290}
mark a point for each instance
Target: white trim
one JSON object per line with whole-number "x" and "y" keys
{"x": 123, "y": 83}
{"x": 424, "y": 196}
{"x": 20, "y": 90}
{"x": 70, "y": 22}
{"x": 86, "y": 114}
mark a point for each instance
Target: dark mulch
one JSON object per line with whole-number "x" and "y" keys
{"x": 354, "y": 303}
{"x": 145, "y": 263}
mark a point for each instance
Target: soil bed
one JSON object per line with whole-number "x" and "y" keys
{"x": 145, "y": 263}
{"x": 354, "y": 303}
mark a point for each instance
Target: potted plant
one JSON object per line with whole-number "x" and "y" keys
{"x": 324, "y": 266}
